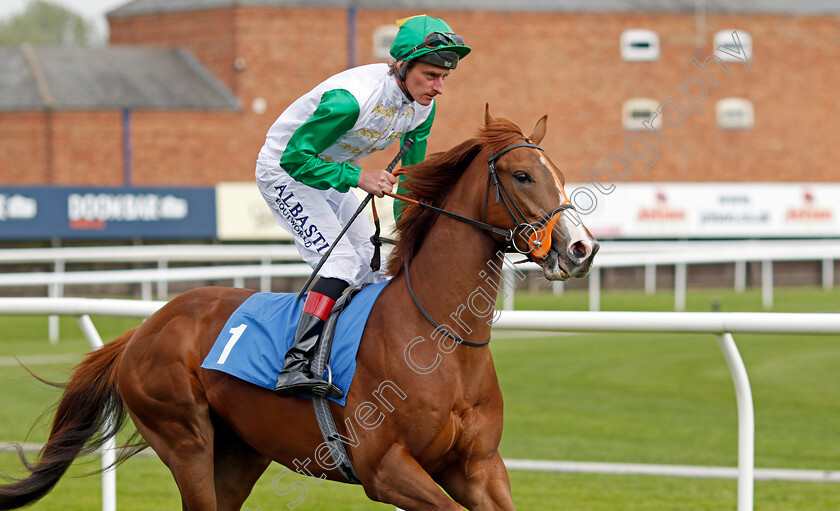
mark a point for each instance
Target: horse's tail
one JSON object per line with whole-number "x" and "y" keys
{"x": 90, "y": 412}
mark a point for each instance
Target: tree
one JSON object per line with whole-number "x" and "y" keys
{"x": 46, "y": 23}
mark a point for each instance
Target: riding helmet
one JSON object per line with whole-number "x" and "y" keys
{"x": 430, "y": 40}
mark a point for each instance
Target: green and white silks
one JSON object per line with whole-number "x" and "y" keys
{"x": 310, "y": 153}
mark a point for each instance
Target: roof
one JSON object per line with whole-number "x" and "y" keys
{"x": 727, "y": 6}
{"x": 17, "y": 82}
{"x": 66, "y": 78}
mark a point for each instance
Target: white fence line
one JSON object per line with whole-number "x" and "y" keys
{"x": 55, "y": 281}
{"x": 720, "y": 324}
{"x": 695, "y": 472}
{"x": 680, "y": 255}
{"x": 150, "y": 253}
{"x": 236, "y": 273}
{"x": 162, "y": 255}
{"x": 649, "y": 255}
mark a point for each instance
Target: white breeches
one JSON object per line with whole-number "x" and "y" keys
{"x": 314, "y": 218}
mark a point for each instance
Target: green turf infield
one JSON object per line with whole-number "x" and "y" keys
{"x": 631, "y": 398}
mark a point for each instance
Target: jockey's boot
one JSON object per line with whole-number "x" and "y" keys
{"x": 296, "y": 376}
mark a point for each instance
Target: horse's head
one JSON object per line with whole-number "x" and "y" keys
{"x": 525, "y": 193}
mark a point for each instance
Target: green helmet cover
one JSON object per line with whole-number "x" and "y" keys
{"x": 413, "y": 32}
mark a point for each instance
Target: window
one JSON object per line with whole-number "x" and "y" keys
{"x": 735, "y": 114}
{"x": 639, "y": 45}
{"x": 638, "y": 110}
{"x": 731, "y": 50}
{"x": 383, "y": 38}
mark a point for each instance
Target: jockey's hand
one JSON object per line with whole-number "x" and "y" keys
{"x": 377, "y": 181}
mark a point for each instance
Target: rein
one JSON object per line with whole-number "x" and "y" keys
{"x": 435, "y": 323}
{"x": 507, "y": 234}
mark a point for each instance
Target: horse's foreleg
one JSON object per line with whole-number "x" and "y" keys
{"x": 479, "y": 484}
{"x": 400, "y": 480}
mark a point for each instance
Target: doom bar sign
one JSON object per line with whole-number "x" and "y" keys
{"x": 107, "y": 213}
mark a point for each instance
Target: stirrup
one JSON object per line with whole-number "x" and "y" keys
{"x": 327, "y": 389}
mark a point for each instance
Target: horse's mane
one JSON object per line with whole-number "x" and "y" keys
{"x": 432, "y": 180}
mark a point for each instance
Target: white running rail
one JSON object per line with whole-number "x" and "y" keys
{"x": 650, "y": 255}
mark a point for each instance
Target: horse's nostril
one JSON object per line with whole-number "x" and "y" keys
{"x": 578, "y": 250}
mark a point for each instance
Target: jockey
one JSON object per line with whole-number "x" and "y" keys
{"x": 308, "y": 165}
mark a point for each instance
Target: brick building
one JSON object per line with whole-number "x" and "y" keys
{"x": 90, "y": 116}
{"x": 572, "y": 59}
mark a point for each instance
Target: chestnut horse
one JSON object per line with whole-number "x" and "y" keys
{"x": 423, "y": 417}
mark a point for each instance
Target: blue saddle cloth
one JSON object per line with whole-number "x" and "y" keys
{"x": 256, "y": 337}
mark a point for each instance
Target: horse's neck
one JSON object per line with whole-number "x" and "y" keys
{"x": 461, "y": 272}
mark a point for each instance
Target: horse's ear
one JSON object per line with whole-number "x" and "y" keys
{"x": 488, "y": 119}
{"x": 539, "y": 130}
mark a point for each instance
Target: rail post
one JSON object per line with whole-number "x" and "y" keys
{"x": 746, "y": 421}
{"x": 109, "y": 448}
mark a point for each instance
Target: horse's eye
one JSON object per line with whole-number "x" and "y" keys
{"x": 522, "y": 177}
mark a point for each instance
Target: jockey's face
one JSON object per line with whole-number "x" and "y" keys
{"x": 424, "y": 81}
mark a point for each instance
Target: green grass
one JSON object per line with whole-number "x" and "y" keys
{"x": 663, "y": 398}
{"x": 635, "y": 398}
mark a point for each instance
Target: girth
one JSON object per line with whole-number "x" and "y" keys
{"x": 326, "y": 422}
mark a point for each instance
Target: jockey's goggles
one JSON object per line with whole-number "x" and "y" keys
{"x": 437, "y": 49}
{"x": 437, "y": 40}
